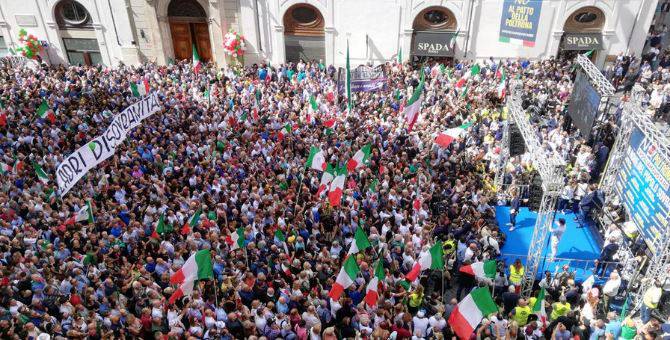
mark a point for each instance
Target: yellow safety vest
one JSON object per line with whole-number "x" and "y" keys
{"x": 448, "y": 246}
{"x": 560, "y": 309}
{"x": 521, "y": 315}
{"x": 515, "y": 276}
{"x": 415, "y": 299}
{"x": 651, "y": 294}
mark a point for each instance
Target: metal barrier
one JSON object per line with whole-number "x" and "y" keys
{"x": 581, "y": 263}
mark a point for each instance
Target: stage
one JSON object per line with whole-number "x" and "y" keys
{"x": 578, "y": 248}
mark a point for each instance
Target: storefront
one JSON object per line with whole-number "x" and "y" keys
{"x": 582, "y": 33}
{"x": 434, "y": 35}
{"x": 434, "y": 45}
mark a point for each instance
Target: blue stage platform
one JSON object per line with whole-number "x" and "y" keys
{"x": 578, "y": 247}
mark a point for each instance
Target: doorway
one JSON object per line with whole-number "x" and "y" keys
{"x": 189, "y": 27}
{"x": 304, "y": 35}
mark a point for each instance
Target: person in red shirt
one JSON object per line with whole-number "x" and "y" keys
{"x": 401, "y": 332}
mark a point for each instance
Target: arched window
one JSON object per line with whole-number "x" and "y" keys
{"x": 303, "y": 19}
{"x": 585, "y": 19}
{"x": 72, "y": 14}
{"x": 186, "y": 9}
{"x": 435, "y": 18}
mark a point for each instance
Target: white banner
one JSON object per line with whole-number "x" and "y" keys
{"x": 88, "y": 156}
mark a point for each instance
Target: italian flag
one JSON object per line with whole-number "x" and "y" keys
{"x": 538, "y": 308}
{"x": 372, "y": 289}
{"x": 160, "y": 227}
{"x": 140, "y": 89}
{"x": 326, "y": 178}
{"x": 345, "y": 278}
{"x": 285, "y": 131}
{"x": 501, "y": 86}
{"x": 4, "y": 168}
{"x": 330, "y": 125}
{"x": 445, "y": 138}
{"x": 431, "y": 259}
{"x": 470, "y": 311}
{"x": 474, "y": 70}
{"x": 85, "y": 213}
{"x": 316, "y": 159}
{"x": 236, "y": 240}
{"x": 360, "y": 242}
{"x": 313, "y": 106}
{"x": 361, "y": 157}
{"x": 191, "y": 223}
{"x": 481, "y": 270}
{"x": 196, "y": 60}
{"x": 18, "y": 166}
{"x": 41, "y": 175}
{"x": 337, "y": 187}
{"x": 197, "y": 267}
{"x": 413, "y": 105}
{"x": 44, "y": 112}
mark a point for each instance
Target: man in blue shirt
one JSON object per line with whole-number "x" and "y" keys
{"x": 613, "y": 326}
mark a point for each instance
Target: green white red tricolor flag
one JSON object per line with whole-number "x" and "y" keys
{"x": 361, "y": 157}
{"x": 445, "y": 138}
{"x": 236, "y": 240}
{"x": 326, "y": 178}
{"x": 413, "y": 106}
{"x": 345, "y": 278}
{"x": 196, "y": 60}
{"x": 360, "y": 242}
{"x": 316, "y": 159}
{"x": 503, "y": 82}
{"x": 538, "y": 308}
{"x": 473, "y": 71}
{"x": 140, "y": 89}
{"x": 372, "y": 289}
{"x": 337, "y": 187}
{"x": 481, "y": 270}
{"x": 84, "y": 213}
{"x": 470, "y": 312}
{"x": 191, "y": 223}
{"x": 45, "y": 112}
{"x": 197, "y": 267}
{"x": 39, "y": 172}
{"x": 431, "y": 259}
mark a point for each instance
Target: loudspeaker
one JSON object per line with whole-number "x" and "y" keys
{"x": 535, "y": 192}
{"x": 516, "y": 143}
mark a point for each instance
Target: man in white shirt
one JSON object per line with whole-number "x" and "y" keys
{"x": 611, "y": 288}
{"x": 556, "y": 235}
{"x": 420, "y": 324}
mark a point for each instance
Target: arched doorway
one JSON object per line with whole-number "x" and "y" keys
{"x": 304, "y": 36}
{"x": 582, "y": 32}
{"x": 434, "y": 35}
{"x": 188, "y": 27}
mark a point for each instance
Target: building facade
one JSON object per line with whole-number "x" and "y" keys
{"x": 132, "y": 31}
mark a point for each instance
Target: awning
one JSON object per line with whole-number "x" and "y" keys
{"x": 433, "y": 43}
{"x": 582, "y": 41}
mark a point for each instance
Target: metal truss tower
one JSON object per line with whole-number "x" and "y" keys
{"x": 551, "y": 172}
{"x": 634, "y": 117}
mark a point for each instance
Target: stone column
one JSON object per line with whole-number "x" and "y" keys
{"x": 329, "y": 41}
{"x": 163, "y": 42}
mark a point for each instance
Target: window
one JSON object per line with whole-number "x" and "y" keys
{"x": 585, "y": 17}
{"x": 82, "y": 51}
{"x": 304, "y": 15}
{"x": 70, "y": 13}
{"x": 3, "y": 47}
{"x": 435, "y": 17}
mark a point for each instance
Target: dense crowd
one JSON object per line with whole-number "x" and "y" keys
{"x": 232, "y": 143}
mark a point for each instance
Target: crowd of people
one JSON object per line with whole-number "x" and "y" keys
{"x": 232, "y": 143}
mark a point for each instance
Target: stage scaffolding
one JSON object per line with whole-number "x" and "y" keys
{"x": 634, "y": 116}
{"x": 548, "y": 165}
{"x": 550, "y": 170}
